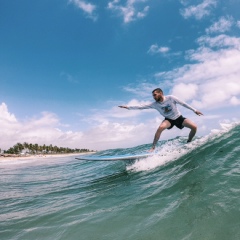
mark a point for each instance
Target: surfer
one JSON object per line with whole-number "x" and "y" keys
{"x": 167, "y": 107}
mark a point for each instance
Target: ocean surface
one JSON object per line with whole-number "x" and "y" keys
{"x": 185, "y": 191}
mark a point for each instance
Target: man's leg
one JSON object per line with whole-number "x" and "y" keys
{"x": 189, "y": 124}
{"x": 164, "y": 125}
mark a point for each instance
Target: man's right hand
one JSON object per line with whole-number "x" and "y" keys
{"x": 198, "y": 113}
{"x": 123, "y": 107}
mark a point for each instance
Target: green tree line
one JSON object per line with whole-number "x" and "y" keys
{"x": 41, "y": 149}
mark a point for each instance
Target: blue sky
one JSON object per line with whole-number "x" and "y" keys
{"x": 65, "y": 66}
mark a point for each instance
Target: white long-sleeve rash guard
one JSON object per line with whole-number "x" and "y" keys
{"x": 167, "y": 107}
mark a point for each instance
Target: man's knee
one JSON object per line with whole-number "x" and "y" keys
{"x": 194, "y": 127}
{"x": 164, "y": 125}
{"x": 189, "y": 124}
{"x": 160, "y": 129}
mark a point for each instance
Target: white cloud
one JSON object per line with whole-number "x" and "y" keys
{"x": 108, "y": 130}
{"x": 130, "y": 11}
{"x": 112, "y": 134}
{"x": 6, "y": 117}
{"x": 185, "y": 91}
{"x": 199, "y": 11}
{"x": 88, "y": 8}
{"x": 235, "y": 101}
{"x": 220, "y": 41}
{"x": 142, "y": 90}
{"x": 154, "y": 49}
{"x": 41, "y": 130}
{"x": 115, "y": 113}
{"x": 216, "y": 73}
{"x": 222, "y": 25}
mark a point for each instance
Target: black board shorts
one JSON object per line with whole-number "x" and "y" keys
{"x": 177, "y": 122}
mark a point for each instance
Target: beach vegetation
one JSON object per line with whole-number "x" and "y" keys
{"x": 29, "y": 148}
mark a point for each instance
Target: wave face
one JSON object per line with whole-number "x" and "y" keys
{"x": 184, "y": 191}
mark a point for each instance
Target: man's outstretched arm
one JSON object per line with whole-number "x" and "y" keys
{"x": 186, "y": 105}
{"x": 141, "y": 107}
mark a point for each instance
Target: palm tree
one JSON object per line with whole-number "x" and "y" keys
{"x": 26, "y": 145}
{"x": 31, "y": 147}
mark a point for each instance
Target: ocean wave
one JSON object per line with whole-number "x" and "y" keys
{"x": 176, "y": 148}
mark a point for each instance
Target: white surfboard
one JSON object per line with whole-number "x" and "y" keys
{"x": 114, "y": 158}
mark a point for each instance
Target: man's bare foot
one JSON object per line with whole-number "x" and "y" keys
{"x": 151, "y": 150}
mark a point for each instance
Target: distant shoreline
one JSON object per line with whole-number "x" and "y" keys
{"x": 40, "y": 156}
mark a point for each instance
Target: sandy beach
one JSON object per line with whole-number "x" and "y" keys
{"x": 42, "y": 156}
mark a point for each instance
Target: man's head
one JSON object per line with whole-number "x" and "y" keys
{"x": 158, "y": 94}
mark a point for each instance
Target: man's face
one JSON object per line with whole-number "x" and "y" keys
{"x": 158, "y": 96}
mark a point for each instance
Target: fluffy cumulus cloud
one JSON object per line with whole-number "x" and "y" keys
{"x": 6, "y": 117}
{"x": 213, "y": 79}
{"x": 185, "y": 91}
{"x": 114, "y": 134}
{"x": 41, "y": 130}
{"x": 224, "y": 24}
{"x": 130, "y": 11}
{"x": 199, "y": 11}
{"x": 88, "y": 8}
{"x": 108, "y": 129}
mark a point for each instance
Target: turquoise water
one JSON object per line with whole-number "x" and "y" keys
{"x": 184, "y": 191}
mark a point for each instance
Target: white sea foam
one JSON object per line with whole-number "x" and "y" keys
{"x": 176, "y": 148}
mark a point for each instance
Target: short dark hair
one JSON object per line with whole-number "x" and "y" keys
{"x": 157, "y": 90}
